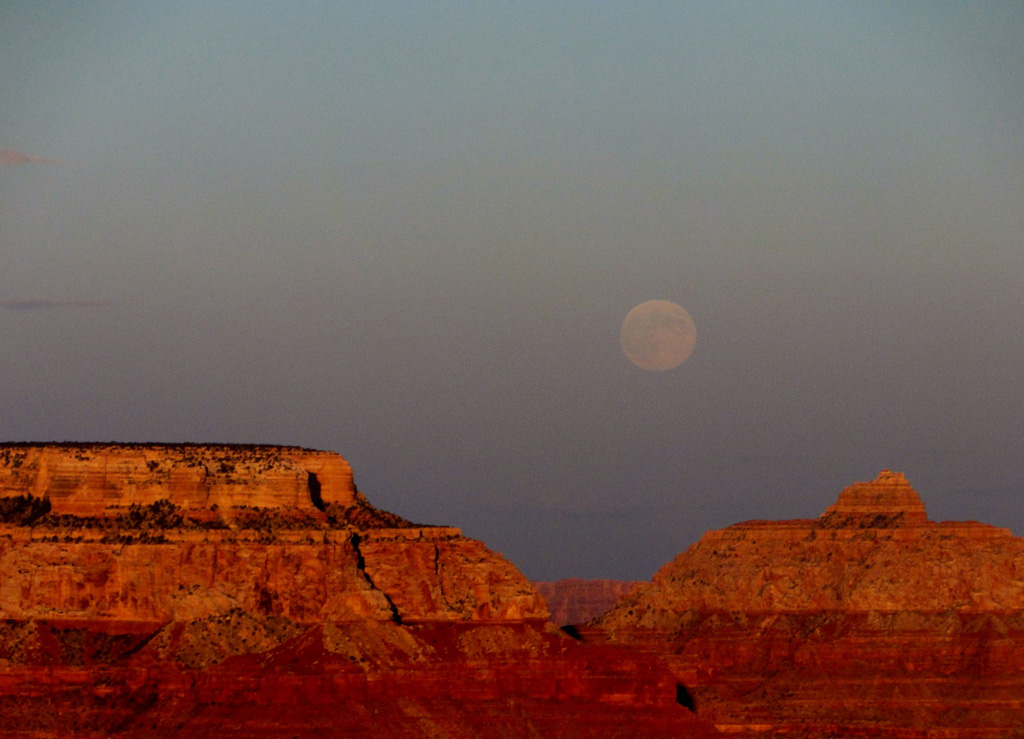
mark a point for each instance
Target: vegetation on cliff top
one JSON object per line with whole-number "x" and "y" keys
{"x": 23, "y": 510}
{"x": 147, "y": 523}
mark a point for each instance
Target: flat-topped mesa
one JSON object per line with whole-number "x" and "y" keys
{"x": 889, "y": 494}
{"x": 101, "y": 479}
{"x": 130, "y": 608}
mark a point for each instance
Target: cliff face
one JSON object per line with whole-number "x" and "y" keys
{"x": 868, "y": 621}
{"x": 98, "y": 479}
{"x": 575, "y": 601}
{"x": 251, "y": 591}
{"x": 405, "y": 574}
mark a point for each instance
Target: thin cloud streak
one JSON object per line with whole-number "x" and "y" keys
{"x": 39, "y": 304}
{"x": 14, "y": 157}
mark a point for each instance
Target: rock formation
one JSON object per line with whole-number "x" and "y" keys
{"x": 189, "y": 590}
{"x": 868, "y": 621}
{"x": 574, "y": 601}
{"x": 95, "y": 480}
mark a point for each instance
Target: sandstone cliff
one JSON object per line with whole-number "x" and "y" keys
{"x": 868, "y": 621}
{"x": 574, "y": 601}
{"x": 99, "y": 479}
{"x": 186, "y": 590}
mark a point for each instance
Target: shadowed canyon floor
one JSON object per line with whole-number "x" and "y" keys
{"x": 201, "y": 591}
{"x": 869, "y": 621}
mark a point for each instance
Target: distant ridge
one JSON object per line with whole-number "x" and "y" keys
{"x": 575, "y": 601}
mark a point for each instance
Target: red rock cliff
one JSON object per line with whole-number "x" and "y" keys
{"x": 868, "y": 621}
{"x": 98, "y": 479}
{"x": 166, "y": 590}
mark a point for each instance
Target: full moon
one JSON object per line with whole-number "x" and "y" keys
{"x": 658, "y": 335}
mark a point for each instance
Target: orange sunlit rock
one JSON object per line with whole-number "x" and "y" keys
{"x": 195, "y": 591}
{"x": 100, "y": 479}
{"x": 868, "y": 621}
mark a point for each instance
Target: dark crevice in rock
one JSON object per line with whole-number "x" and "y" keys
{"x": 314, "y": 492}
{"x": 437, "y": 577}
{"x": 361, "y": 566}
{"x": 685, "y": 698}
{"x": 572, "y": 631}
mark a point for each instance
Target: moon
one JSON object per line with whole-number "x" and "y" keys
{"x": 658, "y": 335}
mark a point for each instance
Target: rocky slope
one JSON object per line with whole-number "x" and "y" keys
{"x": 574, "y": 600}
{"x": 870, "y": 620}
{"x": 196, "y": 591}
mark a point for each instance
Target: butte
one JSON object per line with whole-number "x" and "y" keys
{"x": 869, "y": 621}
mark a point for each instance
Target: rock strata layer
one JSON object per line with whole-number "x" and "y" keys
{"x": 100, "y": 479}
{"x": 868, "y": 621}
{"x": 196, "y": 591}
{"x": 574, "y": 601}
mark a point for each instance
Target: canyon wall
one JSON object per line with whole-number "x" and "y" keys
{"x": 870, "y": 620}
{"x": 195, "y": 591}
{"x": 98, "y": 479}
{"x": 574, "y": 600}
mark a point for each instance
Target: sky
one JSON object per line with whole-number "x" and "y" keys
{"x": 409, "y": 233}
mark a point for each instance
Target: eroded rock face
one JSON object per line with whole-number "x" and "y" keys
{"x": 574, "y": 601}
{"x": 868, "y": 621}
{"x": 167, "y": 590}
{"x": 889, "y": 494}
{"x": 100, "y": 479}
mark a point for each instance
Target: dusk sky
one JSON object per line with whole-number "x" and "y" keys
{"x": 409, "y": 233}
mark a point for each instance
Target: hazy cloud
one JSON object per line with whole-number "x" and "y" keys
{"x": 12, "y": 156}
{"x": 39, "y": 304}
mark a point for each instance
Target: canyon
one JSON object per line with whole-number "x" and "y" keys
{"x": 574, "y": 600}
{"x": 869, "y": 621}
{"x": 191, "y": 590}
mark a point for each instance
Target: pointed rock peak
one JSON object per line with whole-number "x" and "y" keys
{"x": 888, "y": 494}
